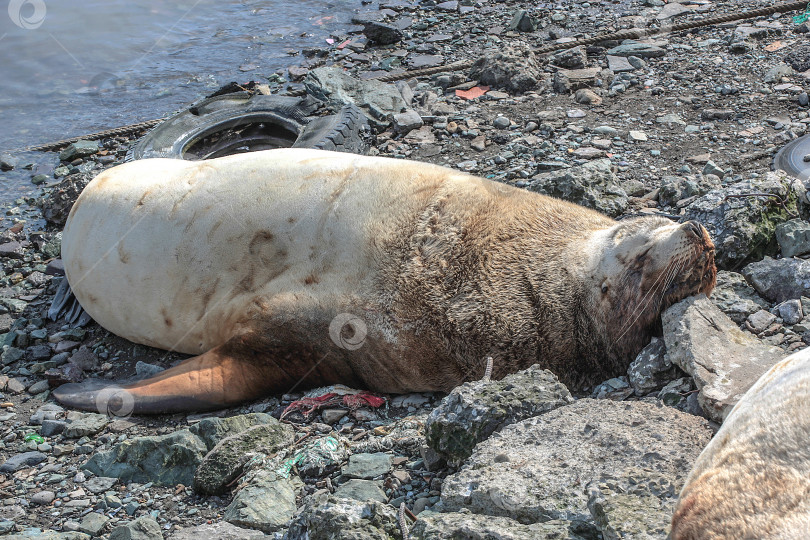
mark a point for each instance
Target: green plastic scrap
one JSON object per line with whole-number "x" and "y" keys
{"x": 799, "y": 19}
{"x": 316, "y": 451}
{"x": 34, "y": 437}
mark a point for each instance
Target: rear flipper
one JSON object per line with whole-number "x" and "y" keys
{"x": 213, "y": 380}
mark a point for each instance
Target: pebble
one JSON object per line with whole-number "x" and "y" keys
{"x": 638, "y": 136}
{"x": 501, "y": 122}
{"x": 43, "y": 497}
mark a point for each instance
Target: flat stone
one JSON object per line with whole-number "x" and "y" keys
{"x": 435, "y": 526}
{"x": 638, "y": 136}
{"x": 407, "y": 121}
{"x": 362, "y": 490}
{"x": 93, "y": 523}
{"x": 79, "y": 149}
{"x": 723, "y": 360}
{"x": 642, "y": 50}
{"x": 221, "y": 531}
{"x": 143, "y": 528}
{"x": 537, "y": 469}
{"x": 266, "y": 504}
{"x": 19, "y": 461}
{"x": 790, "y": 311}
{"x": 672, "y": 10}
{"x": 421, "y": 61}
{"x": 367, "y": 466}
{"x": 12, "y": 250}
{"x": 87, "y": 424}
{"x": 761, "y": 320}
{"x": 100, "y": 484}
{"x": 619, "y": 64}
{"x": 384, "y": 34}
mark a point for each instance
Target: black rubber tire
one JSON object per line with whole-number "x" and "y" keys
{"x": 791, "y": 158}
{"x": 290, "y": 119}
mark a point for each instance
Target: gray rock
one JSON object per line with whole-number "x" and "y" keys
{"x": 790, "y": 311}
{"x": 761, "y": 320}
{"x": 8, "y": 162}
{"x": 266, "y": 504}
{"x": 632, "y": 48}
{"x": 435, "y": 526}
{"x": 793, "y": 237}
{"x": 367, "y": 466}
{"x": 636, "y": 514}
{"x": 212, "y": 430}
{"x": 675, "y": 188}
{"x": 173, "y": 458}
{"x": 619, "y": 64}
{"x": 743, "y": 228}
{"x": 220, "y": 531}
{"x": 501, "y": 122}
{"x": 166, "y": 460}
{"x": 378, "y": 100}
{"x": 651, "y": 369}
{"x": 143, "y": 528}
{"x": 100, "y": 484}
{"x": 43, "y": 497}
{"x": 779, "y": 279}
{"x": 523, "y": 22}
{"x": 421, "y": 61}
{"x": 530, "y": 471}
{"x": 48, "y": 535}
{"x": 672, "y": 10}
{"x": 723, "y": 360}
{"x": 362, "y": 490}
{"x": 567, "y": 80}
{"x": 93, "y": 523}
{"x": 587, "y": 96}
{"x": 775, "y": 73}
{"x": 713, "y": 168}
{"x": 735, "y": 297}
{"x": 574, "y": 58}
{"x": 79, "y": 149}
{"x": 384, "y": 34}
{"x": 331, "y": 518}
{"x": 593, "y": 185}
{"x": 513, "y": 67}
{"x": 87, "y": 424}
{"x": 475, "y": 410}
{"x": 18, "y": 461}
{"x": 407, "y": 121}
{"x": 144, "y": 370}
{"x": 226, "y": 460}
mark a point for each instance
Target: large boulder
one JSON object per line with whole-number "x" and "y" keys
{"x": 723, "y": 360}
{"x": 513, "y": 67}
{"x": 743, "y": 224}
{"x": 433, "y": 526}
{"x": 226, "y": 460}
{"x": 539, "y": 469}
{"x": 380, "y": 101}
{"x": 475, "y": 410}
{"x": 267, "y": 503}
{"x": 169, "y": 459}
{"x": 735, "y": 297}
{"x": 779, "y": 279}
{"x": 332, "y": 518}
{"x": 593, "y": 185}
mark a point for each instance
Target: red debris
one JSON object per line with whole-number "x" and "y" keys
{"x": 306, "y": 406}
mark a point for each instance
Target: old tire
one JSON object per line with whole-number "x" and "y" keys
{"x": 240, "y": 122}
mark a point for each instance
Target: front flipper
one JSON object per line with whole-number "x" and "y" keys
{"x": 213, "y": 380}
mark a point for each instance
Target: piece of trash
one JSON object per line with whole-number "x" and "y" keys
{"x": 799, "y": 19}
{"x": 315, "y": 457}
{"x": 342, "y": 45}
{"x": 775, "y": 46}
{"x": 330, "y": 41}
{"x": 34, "y": 437}
{"x": 308, "y": 405}
{"x": 472, "y": 93}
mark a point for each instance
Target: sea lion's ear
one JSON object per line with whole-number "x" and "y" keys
{"x": 210, "y": 381}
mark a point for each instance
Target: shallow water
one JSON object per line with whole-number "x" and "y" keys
{"x": 69, "y": 67}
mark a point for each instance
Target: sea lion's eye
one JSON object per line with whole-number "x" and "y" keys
{"x": 604, "y": 287}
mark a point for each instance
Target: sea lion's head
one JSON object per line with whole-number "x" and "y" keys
{"x": 640, "y": 267}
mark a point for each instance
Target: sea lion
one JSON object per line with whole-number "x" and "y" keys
{"x": 295, "y": 267}
{"x": 753, "y": 479}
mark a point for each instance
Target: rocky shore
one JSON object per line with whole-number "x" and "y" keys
{"x": 680, "y": 124}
